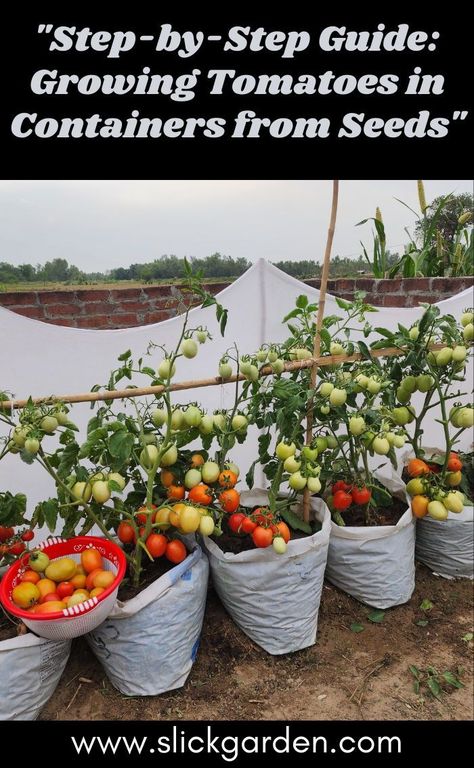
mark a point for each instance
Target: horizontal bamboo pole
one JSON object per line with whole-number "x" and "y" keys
{"x": 121, "y": 394}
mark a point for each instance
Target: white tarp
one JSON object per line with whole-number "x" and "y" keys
{"x": 40, "y": 359}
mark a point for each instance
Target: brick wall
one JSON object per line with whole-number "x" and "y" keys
{"x": 126, "y": 307}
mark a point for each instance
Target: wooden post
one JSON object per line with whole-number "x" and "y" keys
{"x": 319, "y": 322}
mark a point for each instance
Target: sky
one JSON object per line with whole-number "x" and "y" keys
{"x": 99, "y": 225}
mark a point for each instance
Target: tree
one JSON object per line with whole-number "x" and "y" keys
{"x": 447, "y": 220}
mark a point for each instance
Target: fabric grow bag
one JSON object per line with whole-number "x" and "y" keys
{"x": 274, "y": 598}
{"x": 30, "y": 669}
{"x": 148, "y": 644}
{"x": 376, "y": 565}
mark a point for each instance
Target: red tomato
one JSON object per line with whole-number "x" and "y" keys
{"x": 156, "y": 544}
{"x": 17, "y": 548}
{"x": 454, "y": 463}
{"x": 262, "y": 537}
{"x": 341, "y": 500}
{"x": 175, "y": 551}
{"x": 5, "y": 533}
{"x": 263, "y": 515}
{"x": 235, "y": 521}
{"x": 126, "y": 532}
{"x": 340, "y": 485}
{"x": 50, "y": 597}
{"x": 141, "y": 517}
{"x": 65, "y": 589}
{"x": 229, "y": 500}
{"x": 27, "y": 536}
{"x": 247, "y": 525}
{"x": 361, "y": 496}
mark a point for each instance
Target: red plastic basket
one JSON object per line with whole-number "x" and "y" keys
{"x": 79, "y": 619}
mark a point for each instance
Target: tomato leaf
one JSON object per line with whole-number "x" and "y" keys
{"x": 68, "y": 459}
{"x": 434, "y": 687}
{"x": 415, "y": 671}
{"x": 343, "y": 304}
{"x": 380, "y": 496}
{"x": 325, "y": 337}
{"x": 426, "y": 605}
{"x": 295, "y": 522}
{"x": 50, "y": 510}
{"x": 148, "y": 371}
{"x": 356, "y": 627}
{"x": 302, "y": 301}
{"x": 376, "y": 617}
{"x": 452, "y": 679}
{"x": 250, "y": 476}
{"x": 121, "y": 444}
{"x": 467, "y": 637}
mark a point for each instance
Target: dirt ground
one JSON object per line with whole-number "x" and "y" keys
{"x": 346, "y": 675}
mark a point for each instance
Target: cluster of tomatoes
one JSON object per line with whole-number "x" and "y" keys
{"x": 12, "y": 543}
{"x": 47, "y": 586}
{"x": 345, "y": 495}
{"x": 203, "y": 483}
{"x": 262, "y": 528}
{"x": 156, "y": 543}
{"x": 428, "y": 498}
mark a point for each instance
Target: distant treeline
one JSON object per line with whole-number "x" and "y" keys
{"x": 169, "y": 268}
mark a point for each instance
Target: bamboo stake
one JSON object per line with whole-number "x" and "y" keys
{"x": 122, "y": 394}
{"x": 319, "y": 322}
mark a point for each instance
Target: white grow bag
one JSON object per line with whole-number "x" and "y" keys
{"x": 274, "y": 598}
{"x": 376, "y": 564}
{"x": 148, "y": 644}
{"x": 446, "y": 546}
{"x": 30, "y": 669}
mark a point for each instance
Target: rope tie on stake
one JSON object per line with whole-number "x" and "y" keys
{"x": 317, "y": 335}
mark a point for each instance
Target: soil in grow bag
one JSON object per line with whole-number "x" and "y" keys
{"x": 378, "y": 516}
{"x": 151, "y": 571}
{"x": 10, "y": 629}
{"x": 241, "y": 542}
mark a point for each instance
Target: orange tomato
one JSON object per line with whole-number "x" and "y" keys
{"x": 91, "y": 559}
{"x": 163, "y": 517}
{"x": 175, "y": 551}
{"x": 79, "y": 580}
{"x": 31, "y": 576}
{"x": 46, "y": 586}
{"x": 176, "y": 492}
{"x": 417, "y": 467}
{"x": 284, "y": 531}
{"x": 96, "y": 591}
{"x": 142, "y": 515}
{"x": 50, "y": 607}
{"x": 419, "y": 505}
{"x": 229, "y": 500}
{"x": 79, "y": 569}
{"x": 167, "y": 478}
{"x": 103, "y": 579}
{"x": 200, "y": 494}
{"x": 227, "y": 479}
{"x": 197, "y": 460}
{"x": 454, "y": 463}
{"x": 90, "y": 578}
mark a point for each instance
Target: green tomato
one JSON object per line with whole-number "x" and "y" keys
{"x": 291, "y": 464}
{"x": 177, "y": 419}
{"x": 336, "y": 349}
{"x": 148, "y": 438}
{"x": 159, "y": 417}
{"x": 373, "y": 386}
{"x": 49, "y": 424}
{"x": 284, "y": 450}
{"x": 239, "y": 423}
{"x": 189, "y": 348}
{"x": 381, "y": 446}
{"x": 459, "y": 354}
{"x": 169, "y": 457}
{"x": 192, "y": 478}
{"x": 399, "y": 441}
{"x": 356, "y": 425}
{"x": 225, "y": 369}
{"x": 233, "y": 468}
{"x": 278, "y": 366}
{"x": 206, "y": 426}
{"x": 326, "y": 388}
{"x": 261, "y": 355}
{"x": 321, "y": 444}
{"x": 303, "y": 354}
{"x": 310, "y": 454}
{"x": 192, "y": 416}
{"x": 244, "y": 366}
{"x": 402, "y": 395}
{"x": 444, "y": 357}
{"x": 38, "y": 561}
{"x": 338, "y": 397}
{"x": 101, "y": 491}
{"x": 454, "y": 415}
{"x": 19, "y": 436}
{"x": 368, "y": 438}
{"x": 81, "y": 491}
{"x": 325, "y": 409}
{"x": 210, "y": 471}
{"x": 297, "y": 481}
{"x": 206, "y": 525}
{"x": 401, "y": 416}
{"x": 466, "y": 418}
{"x": 165, "y": 369}
{"x": 331, "y": 441}
{"x": 437, "y": 510}
{"x": 279, "y": 545}
{"x": 201, "y": 336}
{"x": 362, "y": 380}
{"x": 414, "y": 332}
{"x": 61, "y": 417}
{"x": 409, "y": 384}
{"x": 454, "y": 501}
{"x": 412, "y": 413}
{"x": 148, "y": 456}
{"x": 468, "y": 332}
{"x": 252, "y": 375}
{"x": 117, "y": 478}
{"x": 219, "y": 421}
{"x": 390, "y": 436}
{"x": 272, "y": 356}
{"x": 466, "y": 318}
{"x": 314, "y": 484}
{"x": 424, "y": 382}
{"x": 416, "y": 486}
{"x": 32, "y": 445}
